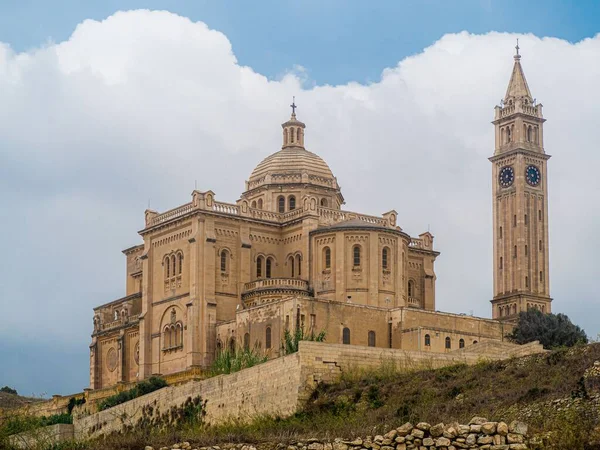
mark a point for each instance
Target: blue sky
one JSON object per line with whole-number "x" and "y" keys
{"x": 336, "y": 41}
{"x": 93, "y": 122}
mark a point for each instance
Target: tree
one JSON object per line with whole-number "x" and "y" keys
{"x": 552, "y": 330}
{"x": 9, "y": 390}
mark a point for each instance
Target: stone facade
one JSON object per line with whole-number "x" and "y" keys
{"x": 286, "y": 256}
{"x": 520, "y": 199}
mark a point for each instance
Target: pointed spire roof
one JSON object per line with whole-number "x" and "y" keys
{"x": 517, "y": 86}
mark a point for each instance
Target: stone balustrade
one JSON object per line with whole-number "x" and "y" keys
{"x": 270, "y": 283}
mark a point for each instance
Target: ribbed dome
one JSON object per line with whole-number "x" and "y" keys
{"x": 292, "y": 160}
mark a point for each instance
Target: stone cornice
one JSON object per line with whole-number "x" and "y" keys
{"x": 119, "y": 300}
{"x": 519, "y": 151}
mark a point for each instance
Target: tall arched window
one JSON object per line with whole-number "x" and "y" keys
{"x": 269, "y": 267}
{"x": 174, "y": 264}
{"x": 285, "y": 136}
{"x": 327, "y": 258}
{"x": 247, "y": 341}
{"x": 253, "y": 205}
{"x": 168, "y": 267}
{"x": 219, "y": 346}
{"x": 411, "y": 288}
{"x": 461, "y": 343}
{"x": 371, "y": 338}
{"x": 178, "y": 335}
{"x": 356, "y": 255}
{"x": 291, "y": 264}
{"x": 299, "y": 265}
{"x": 167, "y": 337}
{"x": 224, "y": 254}
{"x": 541, "y": 276}
{"x": 259, "y": 266}
{"x": 260, "y": 203}
{"x": 292, "y": 203}
{"x": 515, "y": 220}
{"x": 298, "y": 131}
{"x": 324, "y": 202}
{"x": 515, "y": 252}
{"x": 526, "y": 282}
{"x": 268, "y": 338}
{"x": 180, "y": 263}
{"x": 448, "y": 343}
{"x": 540, "y": 245}
{"x": 500, "y": 232}
{"x": 281, "y": 204}
{"x": 232, "y": 345}
{"x": 500, "y": 265}
{"x": 291, "y": 135}
{"x": 529, "y": 134}
{"x": 508, "y": 133}
{"x": 346, "y": 336}
{"x": 384, "y": 258}
{"x": 427, "y": 340}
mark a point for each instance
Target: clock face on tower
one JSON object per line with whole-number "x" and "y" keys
{"x": 507, "y": 176}
{"x": 532, "y": 175}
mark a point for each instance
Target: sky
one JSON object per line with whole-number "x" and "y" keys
{"x": 106, "y": 107}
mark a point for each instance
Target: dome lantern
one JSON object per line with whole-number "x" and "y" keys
{"x": 293, "y": 130}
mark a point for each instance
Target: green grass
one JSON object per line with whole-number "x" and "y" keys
{"x": 228, "y": 361}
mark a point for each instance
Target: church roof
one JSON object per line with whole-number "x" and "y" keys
{"x": 517, "y": 86}
{"x": 290, "y": 160}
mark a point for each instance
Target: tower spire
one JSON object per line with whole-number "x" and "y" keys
{"x": 293, "y": 129}
{"x": 517, "y": 86}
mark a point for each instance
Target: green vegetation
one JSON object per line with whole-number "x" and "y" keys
{"x": 228, "y": 361}
{"x": 141, "y": 388}
{"x": 290, "y": 341}
{"x": 9, "y": 390}
{"x": 552, "y": 330}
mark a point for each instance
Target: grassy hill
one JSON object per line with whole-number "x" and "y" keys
{"x": 556, "y": 393}
{"x": 11, "y": 401}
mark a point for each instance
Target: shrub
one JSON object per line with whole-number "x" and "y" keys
{"x": 228, "y": 361}
{"x": 9, "y": 390}
{"x": 552, "y": 330}
{"x": 142, "y": 388}
{"x": 290, "y": 341}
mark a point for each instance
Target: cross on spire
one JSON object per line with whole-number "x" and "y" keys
{"x": 293, "y": 106}
{"x": 517, "y": 49}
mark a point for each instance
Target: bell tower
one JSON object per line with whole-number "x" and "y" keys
{"x": 520, "y": 202}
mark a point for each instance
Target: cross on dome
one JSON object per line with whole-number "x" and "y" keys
{"x": 293, "y": 106}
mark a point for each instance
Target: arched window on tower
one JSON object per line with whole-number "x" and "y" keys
{"x": 537, "y": 135}
{"x": 500, "y": 265}
{"x": 346, "y": 336}
{"x": 168, "y": 267}
{"x": 448, "y": 343}
{"x": 232, "y": 345}
{"x": 384, "y": 258}
{"x": 356, "y": 255}
{"x": 299, "y": 265}
{"x": 500, "y": 233}
{"x": 327, "y": 258}
{"x": 260, "y": 203}
{"x": 525, "y": 137}
{"x": 253, "y": 205}
{"x": 298, "y": 132}
{"x": 291, "y": 135}
{"x": 515, "y": 252}
{"x": 292, "y": 203}
{"x": 285, "y": 137}
{"x": 269, "y": 267}
{"x": 247, "y": 341}
{"x": 259, "y": 266}
{"x": 526, "y": 250}
{"x": 461, "y": 343}
{"x": 180, "y": 263}
{"x": 427, "y": 340}
{"x": 291, "y": 265}
{"x": 174, "y": 264}
{"x": 411, "y": 288}
{"x": 502, "y": 136}
{"x": 268, "y": 338}
{"x": 324, "y": 202}
{"x": 508, "y": 132}
{"x": 526, "y": 282}
{"x": 224, "y": 265}
{"x": 529, "y": 134}
{"x": 281, "y": 204}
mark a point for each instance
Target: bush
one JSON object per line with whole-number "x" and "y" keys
{"x": 228, "y": 361}
{"x": 9, "y": 390}
{"x": 552, "y": 330}
{"x": 142, "y": 388}
{"x": 290, "y": 341}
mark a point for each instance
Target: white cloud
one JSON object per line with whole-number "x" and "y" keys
{"x": 142, "y": 104}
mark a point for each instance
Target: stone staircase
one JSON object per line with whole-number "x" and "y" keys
{"x": 497, "y": 350}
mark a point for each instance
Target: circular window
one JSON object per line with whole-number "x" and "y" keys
{"x": 111, "y": 359}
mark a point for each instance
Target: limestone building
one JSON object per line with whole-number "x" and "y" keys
{"x": 286, "y": 256}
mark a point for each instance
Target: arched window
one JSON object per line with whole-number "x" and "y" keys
{"x": 346, "y": 335}
{"x": 292, "y": 203}
{"x": 180, "y": 263}
{"x": 515, "y": 220}
{"x": 541, "y": 276}
{"x": 474, "y": 342}
{"x": 298, "y": 131}
{"x": 291, "y": 264}
{"x": 529, "y": 134}
{"x": 291, "y": 135}
{"x": 285, "y": 136}
{"x": 178, "y": 335}
{"x": 540, "y": 245}
{"x": 168, "y": 267}
{"x": 500, "y": 265}
{"x": 448, "y": 343}
{"x": 259, "y": 266}
{"x": 461, "y": 343}
{"x": 269, "y": 266}
{"x": 174, "y": 264}
{"x": 502, "y": 136}
{"x": 508, "y": 132}
{"x": 371, "y": 338}
{"x": 260, "y": 203}
{"x": 299, "y": 265}
{"x": 526, "y": 250}
{"x": 327, "y": 258}
{"x": 356, "y": 255}
{"x": 224, "y": 254}
{"x": 167, "y": 337}
{"x": 515, "y": 252}
{"x": 324, "y": 202}
{"x": 525, "y": 132}
{"x": 281, "y": 204}
{"x": 411, "y": 288}
{"x": 268, "y": 338}
{"x": 253, "y": 205}
{"x": 232, "y": 345}
{"x": 384, "y": 258}
{"x": 247, "y": 341}
{"x": 427, "y": 340}
{"x": 537, "y": 135}
{"x": 500, "y": 232}
{"x": 219, "y": 346}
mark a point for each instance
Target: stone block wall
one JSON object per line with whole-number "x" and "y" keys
{"x": 42, "y": 437}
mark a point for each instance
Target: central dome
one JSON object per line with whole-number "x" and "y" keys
{"x": 292, "y": 161}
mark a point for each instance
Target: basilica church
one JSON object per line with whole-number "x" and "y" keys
{"x": 211, "y": 275}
